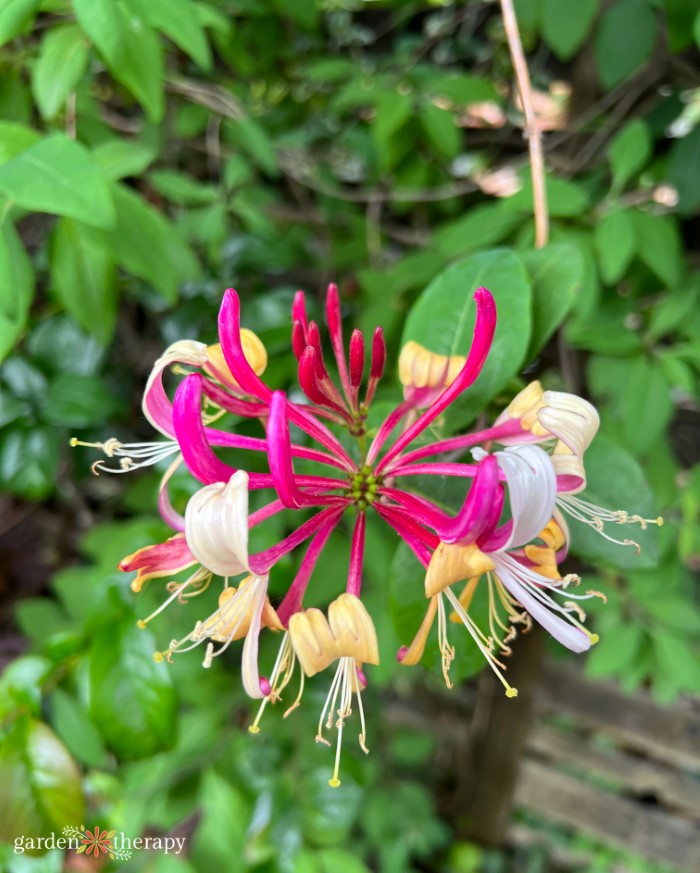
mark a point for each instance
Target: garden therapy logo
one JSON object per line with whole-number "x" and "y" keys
{"x": 96, "y": 842}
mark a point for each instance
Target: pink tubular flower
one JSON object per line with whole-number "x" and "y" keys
{"x": 504, "y": 528}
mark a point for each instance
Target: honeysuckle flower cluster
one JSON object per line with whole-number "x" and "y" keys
{"x": 521, "y": 476}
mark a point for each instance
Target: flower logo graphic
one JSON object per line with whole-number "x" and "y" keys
{"x": 99, "y": 841}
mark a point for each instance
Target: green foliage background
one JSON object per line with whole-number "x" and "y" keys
{"x": 153, "y": 152}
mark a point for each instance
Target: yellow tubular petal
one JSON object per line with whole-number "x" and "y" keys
{"x": 414, "y": 652}
{"x": 353, "y": 629}
{"x": 552, "y": 535}
{"x": 453, "y": 563}
{"x": 253, "y": 349}
{"x": 348, "y": 632}
{"x": 421, "y": 368}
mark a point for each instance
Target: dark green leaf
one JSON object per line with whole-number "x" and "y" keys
{"x": 253, "y": 139}
{"x": 615, "y": 242}
{"x": 555, "y": 273}
{"x": 72, "y": 724}
{"x": 16, "y": 287}
{"x": 616, "y": 481}
{"x": 624, "y": 40}
{"x": 59, "y": 68}
{"x": 659, "y": 245}
{"x": 40, "y": 617}
{"x": 683, "y": 169}
{"x": 146, "y": 244}
{"x": 615, "y": 652}
{"x": 129, "y": 47}
{"x": 20, "y": 684}
{"x": 178, "y": 19}
{"x": 439, "y": 126}
{"x": 394, "y": 110}
{"x": 442, "y": 320}
{"x": 56, "y": 341}
{"x": 647, "y": 406}
{"x": 565, "y": 25}
{"x": 58, "y": 175}
{"x": 29, "y": 461}
{"x": 132, "y": 701}
{"x": 629, "y": 151}
{"x": 84, "y": 277}
{"x": 461, "y": 89}
{"x": 78, "y": 401}
{"x": 40, "y": 786}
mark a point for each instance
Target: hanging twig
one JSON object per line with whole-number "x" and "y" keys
{"x": 532, "y": 128}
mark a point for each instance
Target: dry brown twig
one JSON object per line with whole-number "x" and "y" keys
{"x": 532, "y": 126}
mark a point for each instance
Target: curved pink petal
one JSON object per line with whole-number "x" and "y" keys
{"x": 484, "y": 329}
{"x": 357, "y": 552}
{"x": 191, "y": 435}
{"x": 232, "y": 347}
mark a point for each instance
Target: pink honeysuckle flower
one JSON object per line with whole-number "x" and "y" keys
{"x": 522, "y": 579}
{"x": 502, "y": 529}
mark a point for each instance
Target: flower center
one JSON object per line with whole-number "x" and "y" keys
{"x": 363, "y": 487}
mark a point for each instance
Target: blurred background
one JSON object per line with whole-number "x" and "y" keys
{"x": 155, "y": 152}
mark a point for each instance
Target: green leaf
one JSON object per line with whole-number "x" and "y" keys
{"x": 564, "y": 199}
{"x": 659, "y": 245}
{"x": 183, "y": 189}
{"x": 615, "y": 652}
{"x": 54, "y": 341}
{"x": 566, "y": 25}
{"x": 677, "y": 662}
{"x": 616, "y": 243}
{"x": 59, "y": 68}
{"x": 683, "y": 169}
{"x": 628, "y": 152}
{"x": 646, "y": 406}
{"x": 84, "y": 277}
{"x": 615, "y": 481}
{"x": 439, "y": 126}
{"x": 20, "y": 684}
{"x": 16, "y": 287}
{"x": 14, "y": 139}
{"x": 340, "y": 861}
{"x": 253, "y": 139}
{"x": 442, "y": 320}
{"x": 29, "y": 461}
{"x": 15, "y": 16}
{"x": 129, "y": 47}
{"x": 478, "y": 228}
{"x": 221, "y": 831}
{"x": 624, "y": 40}
{"x": 40, "y": 618}
{"x": 132, "y": 700}
{"x": 72, "y": 724}
{"x": 178, "y": 19}
{"x": 555, "y": 273}
{"x": 146, "y": 244}
{"x": 394, "y": 110}
{"x": 674, "y": 309}
{"x": 40, "y": 786}
{"x": 57, "y": 175}
{"x": 120, "y": 158}
{"x": 461, "y": 89}
{"x": 78, "y": 401}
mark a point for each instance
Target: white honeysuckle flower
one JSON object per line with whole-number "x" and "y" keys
{"x": 216, "y": 526}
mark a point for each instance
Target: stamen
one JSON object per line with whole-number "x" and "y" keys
{"x": 131, "y": 455}
{"x": 597, "y": 517}
{"x": 478, "y": 636}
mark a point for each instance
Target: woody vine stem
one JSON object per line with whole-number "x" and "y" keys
{"x": 532, "y": 128}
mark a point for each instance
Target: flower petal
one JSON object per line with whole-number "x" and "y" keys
{"x": 216, "y": 526}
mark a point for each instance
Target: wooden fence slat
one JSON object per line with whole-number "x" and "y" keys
{"x": 667, "y": 733}
{"x": 648, "y": 832}
{"x": 635, "y": 775}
